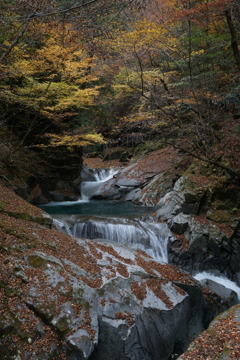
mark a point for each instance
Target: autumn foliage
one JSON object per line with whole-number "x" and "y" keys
{"x": 166, "y": 69}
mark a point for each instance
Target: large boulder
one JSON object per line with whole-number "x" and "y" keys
{"x": 199, "y": 244}
{"x": 206, "y": 234}
{"x": 185, "y": 198}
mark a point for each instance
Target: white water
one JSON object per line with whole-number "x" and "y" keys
{"x": 220, "y": 280}
{"x": 89, "y": 188}
{"x": 67, "y": 203}
{"x": 150, "y": 237}
{"x": 147, "y": 236}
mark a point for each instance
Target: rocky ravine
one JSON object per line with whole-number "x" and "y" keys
{"x": 200, "y": 204}
{"x": 66, "y": 298}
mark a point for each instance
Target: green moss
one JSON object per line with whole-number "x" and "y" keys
{"x": 85, "y": 305}
{"x": 10, "y": 231}
{"x": 2, "y": 206}
{"x": 24, "y": 216}
{"x": 9, "y": 291}
{"x": 219, "y": 216}
{"x": 62, "y": 325}
{"x": 37, "y": 262}
{"x": 77, "y": 295}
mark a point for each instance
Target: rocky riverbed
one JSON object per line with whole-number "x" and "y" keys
{"x": 71, "y": 298}
{"x": 67, "y": 298}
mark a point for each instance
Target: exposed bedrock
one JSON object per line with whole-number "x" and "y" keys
{"x": 69, "y": 298}
{"x": 205, "y": 237}
{"x": 144, "y": 181}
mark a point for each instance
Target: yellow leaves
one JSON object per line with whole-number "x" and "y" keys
{"x": 58, "y": 76}
{"x": 145, "y": 36}
{"x": 71, "y": 141}
{"x": 188, "y": 101}
{"x": 55, "y": 60}
{"x": 138, "y": 117}
{"x": 199, "y": 52}
{"x": 77, "y": 99}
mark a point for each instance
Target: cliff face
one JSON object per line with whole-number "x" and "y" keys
{"x": 67, "y": 298}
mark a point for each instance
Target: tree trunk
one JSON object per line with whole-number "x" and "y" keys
{"x": 233, "y": 33}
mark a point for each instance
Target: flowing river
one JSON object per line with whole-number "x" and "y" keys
{"x": 117, "y": 221}
{"x": 122, "y": 222}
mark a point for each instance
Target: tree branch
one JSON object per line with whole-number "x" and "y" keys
{"x": 228, "y": 169}
{"x": 15, "y": 41}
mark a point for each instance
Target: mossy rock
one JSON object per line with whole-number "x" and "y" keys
{"x": 37, "y": 262}
{"x": 44, "y": 220}
{"x": 9, "y": 291}
{"x": 46, "y": 311}
{"x": 61, "y": 325}
{"x": 219, "y": 216}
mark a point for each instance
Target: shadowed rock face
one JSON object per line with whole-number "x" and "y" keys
{"x": 205, "y": 238}
{"x": 68, "y": 298}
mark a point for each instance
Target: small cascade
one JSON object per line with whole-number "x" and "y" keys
{"x": 150, "y": 237}
{"x": 98, "y": 176}
{"x": 222, "y": 280}
{"x": 159, "y": 237}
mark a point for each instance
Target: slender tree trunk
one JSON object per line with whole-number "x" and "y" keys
{"x": 190, "y": 51}
{"x": 233, "y": 33}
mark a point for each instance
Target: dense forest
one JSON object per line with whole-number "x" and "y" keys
{"x": 146, "y": 93}
{"x": 149, "y": 73}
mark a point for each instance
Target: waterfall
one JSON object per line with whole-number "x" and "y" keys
{"x": 99, "y": 176}
{"x": 150, "y": 237}
{"x": 222, "y": 280}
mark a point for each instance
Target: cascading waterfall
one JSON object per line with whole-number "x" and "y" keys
{"x": 222, "y": 280}
{"x": 89, "y": 188}
{"x": 147, "y": 236}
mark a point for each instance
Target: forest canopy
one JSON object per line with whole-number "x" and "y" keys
{"x": 74, "y": 72}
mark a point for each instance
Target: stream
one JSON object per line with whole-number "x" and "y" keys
{"x": 117, "y": 221}
{"x": 122, "y": 222}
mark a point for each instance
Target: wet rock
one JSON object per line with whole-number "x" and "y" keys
{"x": 179, "y": 224}
{"x": 153, "y": 190}
{"x": 203, "y": 246}
{"x": 144, "y": 181}
{"x": 228, "y": 296}
{"x": 185, "y": 198}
